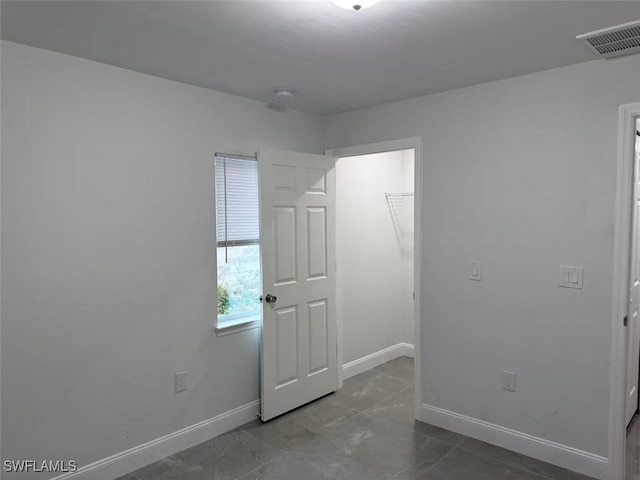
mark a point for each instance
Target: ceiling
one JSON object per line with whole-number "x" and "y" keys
{"x": 335, "y": 59}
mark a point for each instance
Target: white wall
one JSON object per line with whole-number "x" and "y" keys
{"x": 374, "y": 298}
{"x": 108, "y": 253}
{"x": 519, "y": 174}
{"x": 109, "y": 271}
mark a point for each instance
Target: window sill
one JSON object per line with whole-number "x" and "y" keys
{"x": 238, "y": 325}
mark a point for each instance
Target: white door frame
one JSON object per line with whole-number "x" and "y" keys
{"x": 414, "y": 143}
{"x": 624, "y": 189}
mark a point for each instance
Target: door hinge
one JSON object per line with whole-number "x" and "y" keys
{"x": 625, "y": 320}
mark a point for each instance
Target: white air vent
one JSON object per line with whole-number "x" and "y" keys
{"x": 614, "y": 41}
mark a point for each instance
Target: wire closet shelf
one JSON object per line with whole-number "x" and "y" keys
{"x": 402, "y": 216}
{"x": 399, "y": 194}
{"x": 401, "y": 206}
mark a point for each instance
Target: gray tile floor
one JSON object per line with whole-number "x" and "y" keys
{"x": 633, "y": 450}
{"x": 365, "y": 431}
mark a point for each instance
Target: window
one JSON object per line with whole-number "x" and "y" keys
{"x": 238, "y": 236}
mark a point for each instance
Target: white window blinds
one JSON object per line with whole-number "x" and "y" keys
{"x": 237, "y": 201}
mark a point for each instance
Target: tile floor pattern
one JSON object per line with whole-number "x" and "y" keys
{"x": 365, "y": 431}
{"x": 633, "y": 450}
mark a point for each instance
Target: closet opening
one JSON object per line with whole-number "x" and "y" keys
{"x": 375, "y": 222}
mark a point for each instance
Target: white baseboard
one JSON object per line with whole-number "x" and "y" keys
{"x": 407, "y": 349}
{"x": 137, "y": 457}
{"x": 551, "y": 452}
{"x": 363, "y": 364}
{"x": 125, "y": 462}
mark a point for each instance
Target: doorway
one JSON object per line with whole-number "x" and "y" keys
{"x": 378, "y": 232}
{"x": 302, "y": 333}
{"x": 632, "y": 463}
{"x": 374, "y": 253}
{"x": 623, "y": 377}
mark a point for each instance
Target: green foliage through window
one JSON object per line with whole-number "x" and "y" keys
{"x": 223, "y": 299}
{"x": 239, "y": 276}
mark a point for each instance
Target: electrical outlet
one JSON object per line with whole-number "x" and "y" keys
{"x": 181, "y": 382}
{"x": 509, "y": 381}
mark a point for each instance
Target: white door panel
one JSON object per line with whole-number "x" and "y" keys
{"x": 299, "y": 334}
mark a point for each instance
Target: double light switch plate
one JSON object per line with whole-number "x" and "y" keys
{"x": 570, "y": 277}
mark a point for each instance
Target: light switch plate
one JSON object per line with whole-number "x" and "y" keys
{"x": 570, "y": 277}
{"x": 476, "y": 270}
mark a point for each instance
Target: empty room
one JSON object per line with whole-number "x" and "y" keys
{"x": 320, "y": 239}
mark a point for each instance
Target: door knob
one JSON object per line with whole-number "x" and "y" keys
{"x": 271, "y": 298}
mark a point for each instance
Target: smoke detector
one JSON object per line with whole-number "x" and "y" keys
{"x": 355, "y": 4}
{"x": 284, "y": 93}
{"x": 615, "y": 41}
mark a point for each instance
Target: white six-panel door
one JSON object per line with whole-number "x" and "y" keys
{"x": 633, "y": 319}
{"x": 299, "y": 331}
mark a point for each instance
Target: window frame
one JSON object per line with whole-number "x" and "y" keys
{"x": 242, "y": 321}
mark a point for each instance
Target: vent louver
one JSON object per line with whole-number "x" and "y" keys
{"x": 614, "y": 41}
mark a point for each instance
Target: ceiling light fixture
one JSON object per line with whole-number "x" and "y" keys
{"x": 284, "y": 93}
{"x": 355, "y": 4}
